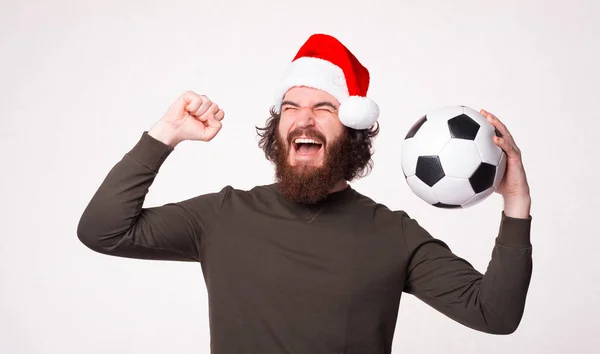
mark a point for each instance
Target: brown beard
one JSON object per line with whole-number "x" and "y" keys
{"x": 310, "y": 184}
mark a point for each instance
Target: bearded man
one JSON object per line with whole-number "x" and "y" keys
{"x": 308, "y": 264}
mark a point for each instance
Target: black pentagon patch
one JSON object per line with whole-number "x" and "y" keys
{"x": 483, "y": 177}
{"x": 429, "y": 169}
{"x": 413, "y": 130}
{"x": 446, "y": 206}
{"x": 463, "y": 127}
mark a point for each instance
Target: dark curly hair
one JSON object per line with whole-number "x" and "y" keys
{"x": 359, "y": 146}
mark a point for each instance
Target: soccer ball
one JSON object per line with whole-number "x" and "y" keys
{"x": 449, "y": 158}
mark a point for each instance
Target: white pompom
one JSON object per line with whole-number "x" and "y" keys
{"x": 358, "y": 112}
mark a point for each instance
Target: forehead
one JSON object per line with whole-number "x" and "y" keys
{"x": 309, "y": 96}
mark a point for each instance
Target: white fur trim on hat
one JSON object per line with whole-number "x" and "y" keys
{"x": 358, "y": 112}
{"x": 314, "y": 73}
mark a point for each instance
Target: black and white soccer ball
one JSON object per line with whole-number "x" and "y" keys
{"x": 450, "y": 160}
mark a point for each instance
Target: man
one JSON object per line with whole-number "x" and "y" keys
{"x": 308, "y": 264}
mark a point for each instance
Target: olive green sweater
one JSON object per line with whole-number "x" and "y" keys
{"x": 287, "y": 278}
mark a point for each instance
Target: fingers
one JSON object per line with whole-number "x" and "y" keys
{"x": 206, "y": 112}
{"x": 505, "y": 141}
{"x": 213, "y": 125}
{"x": 512, "y": 151}
{"x": 192, "y": 101}
{"x": 496, "y": 123}
{"x": 212, "y": 121}
{"x": 209, "y": 110}
{"x": 197, "y": 105}
{"x": 220, "y": 115}
{"x": 209, "y": 113}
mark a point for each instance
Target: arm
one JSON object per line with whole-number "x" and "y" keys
{"x": 492, "y": 302}
{"x": 115, "y": 223}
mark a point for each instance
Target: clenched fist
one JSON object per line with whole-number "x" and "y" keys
{"x": 190, "y": 117}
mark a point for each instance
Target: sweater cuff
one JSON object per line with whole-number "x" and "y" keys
{"x": 514, "y": 232}
{"x": 150, "y": 152}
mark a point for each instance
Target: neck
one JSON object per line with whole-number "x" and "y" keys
{"x": 340, "y": 185}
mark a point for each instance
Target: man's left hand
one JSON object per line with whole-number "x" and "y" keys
{"x": 513, "y": 187}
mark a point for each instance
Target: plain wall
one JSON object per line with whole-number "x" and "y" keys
{"x": 81, "y": 80}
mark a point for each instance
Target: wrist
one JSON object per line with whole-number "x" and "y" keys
{"x": 517, "y": 206}
{"x": 164, "y": 133}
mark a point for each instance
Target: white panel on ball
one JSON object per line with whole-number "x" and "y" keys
{"x": 451, "y": 190}
{"x": 500, "y": 170}
{"x": 478, "y": 198}
{"x": 443, "y": 113}
{"x": 422, "y": 190}
{"x": 489, "y": 151}
{"x": 431, "y": 138}
{"x": 460, "y": 158}
{"x": 409, "y": 156}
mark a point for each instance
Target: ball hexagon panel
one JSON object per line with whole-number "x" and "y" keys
{"x": 431, "y": 137}
{"x": 443, "y": 113}
{"x": 478, "y": 198}
{"x": 452, "y": 190}
{"x": 409, "y": 155}
{"x": 463, "y": 127}
{"x": 460, "y": 158}
{"x": 422, "y": 190}
{"x": 429, "y": 169}
{"x": 489, "y": 151}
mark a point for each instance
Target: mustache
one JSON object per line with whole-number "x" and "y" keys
{"x": 309, "y": 133}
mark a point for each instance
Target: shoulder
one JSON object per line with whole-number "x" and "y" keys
{"x": 383, "y": 217}
{"x": 380, "y": 211}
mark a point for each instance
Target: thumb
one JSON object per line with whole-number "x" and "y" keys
{"x": 190, "y": 101}
{"x": 192, "y": 104}
{"x": 213, "y": 126}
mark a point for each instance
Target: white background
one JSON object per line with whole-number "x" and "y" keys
{"x": 81, "y": 80}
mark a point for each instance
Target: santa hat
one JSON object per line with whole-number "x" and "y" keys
{"x": 326, "y": 64}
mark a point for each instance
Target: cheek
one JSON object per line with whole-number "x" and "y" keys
{"x": 284, "y": 126}
{"x": 335, "y": 129}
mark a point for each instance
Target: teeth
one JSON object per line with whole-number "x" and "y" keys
{"x": 305, "y": 141}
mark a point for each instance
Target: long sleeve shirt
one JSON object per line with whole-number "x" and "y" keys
{"x": 289, "y": 278}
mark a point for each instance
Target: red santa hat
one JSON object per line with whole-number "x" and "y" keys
{"x": 324, "y": 63}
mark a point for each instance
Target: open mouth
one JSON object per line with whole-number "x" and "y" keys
{"x": 307, "y": 147}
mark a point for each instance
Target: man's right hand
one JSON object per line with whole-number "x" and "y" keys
{"x": 190, "y": 117}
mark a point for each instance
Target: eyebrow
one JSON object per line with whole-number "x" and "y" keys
{"x": 290, "y": 103}
{"x": 319, "y": 104}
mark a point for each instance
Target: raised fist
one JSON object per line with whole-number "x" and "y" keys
{"x": 190, "y": 117}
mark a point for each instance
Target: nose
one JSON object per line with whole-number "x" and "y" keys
{"x": 305, "y": 118}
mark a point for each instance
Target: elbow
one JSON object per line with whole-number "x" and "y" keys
{"x": 89, "y": 235}
{"x": 505, "y": 329}
{"x": 504, "y": 326}
{"x": 86, "y": 236}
